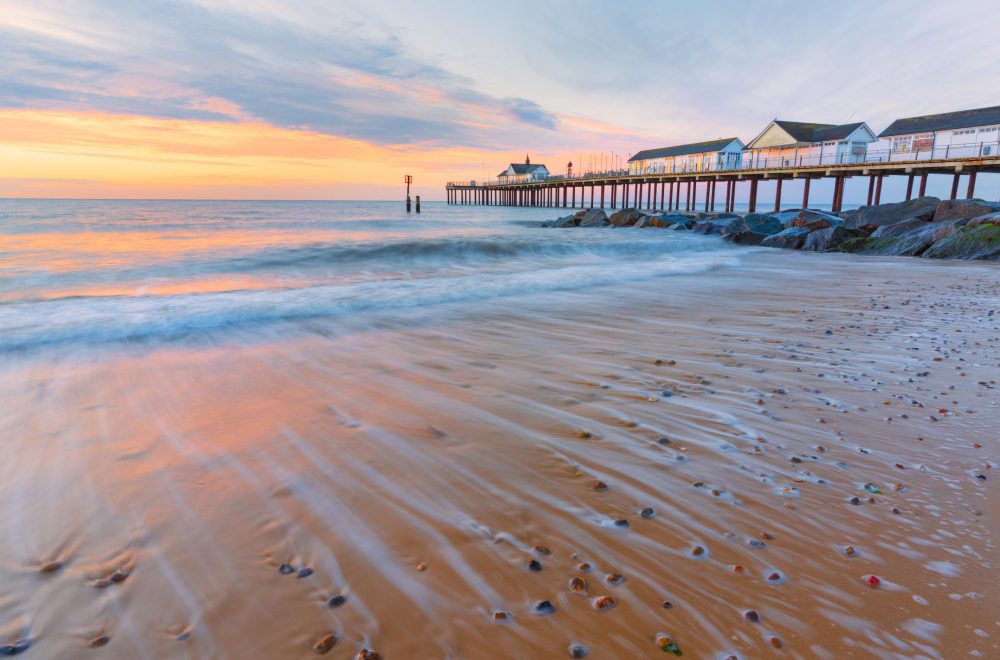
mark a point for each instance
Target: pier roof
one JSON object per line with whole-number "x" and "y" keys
{"x": 685, "y": 149}
{"x": 807, "y": 132}
{"x": 943, "y": 121}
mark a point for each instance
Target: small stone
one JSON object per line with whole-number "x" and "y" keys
{"x": 304, "y": 572}
{"x": 367, "y": 654}
{"x": 604, "y": 603}
{"x": 534, "y": 565}
{"x": 543, "y": 550}
{"x": 774, "y": 641}
{"x": 737, "y": 568}
{"x": 119, "y": 575}
{"x": 850, "y": 551}
{"x": 621, "y": 522}
{"x": 544, "y": 607}
{"x": 325, "y": 644}
{"x": 598, "y": 485}
{"x": 698, "y": 551}
{"x": 647, "y": 513}
{"x": 336, "y": 601}
{"x": 502, "y": 615}
{"x": 50, "y": 567}
{"x": 614, "y": 578}
{"x": 584, "y": 567}
{"x": 667, "y": 644}
{"x": 752, "y": 616}
{"x": 286, "y": 569}
{"x": 754, "y": 543}
{"x": 578, "y": 585}
{"x": 183, "y": 636}
{"x": 577, "y": 651}
{"x": 766, "y": 535}
{"x": 14, "y": 648}
{"x": 99, "y": 641}
{"x": 855, "y": 501}
{"x": 665, "y": 441}
{"x": 421, "y": 567}
{"x": 873, "y": 582}
{"x": 101, "y": 583}
{"x": 667, "y": 605}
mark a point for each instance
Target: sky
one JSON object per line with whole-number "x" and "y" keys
{"x": 313, "y": 99}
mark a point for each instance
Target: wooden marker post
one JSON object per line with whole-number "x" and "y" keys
{"x": 408, "y": 180}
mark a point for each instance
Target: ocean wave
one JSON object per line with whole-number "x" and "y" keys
{"x": 102, "y": 319}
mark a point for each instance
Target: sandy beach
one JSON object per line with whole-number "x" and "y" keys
{"x": 728, "y": 458}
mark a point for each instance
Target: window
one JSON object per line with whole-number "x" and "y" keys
{"x": 901, "y": 144}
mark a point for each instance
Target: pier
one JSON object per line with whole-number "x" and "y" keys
{"x": 681, "y": 190}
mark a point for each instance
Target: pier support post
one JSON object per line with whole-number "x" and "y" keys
{"x": 805, "y": 193}
{"x": 625, "y": 195}
{"x": 923, "y": 184}
{"x": 838, "y": 193}
{"x": 663, "y": 190}
{"x": 574, "y": 197}
{"x": 871, "y": 189}
{"x": 708, "y": 193}
{"x": 954, "y": 186}
{"x": 878, "y": 190}
{"x": 753, "y": 196}
{"x": 591, "y": 195}
{"x": 909, "y": 187}
{"x": 969, "y": 192}
{"x": 777, "y": 196}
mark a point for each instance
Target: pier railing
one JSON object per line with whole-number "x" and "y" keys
{"x": 947, "y": 152}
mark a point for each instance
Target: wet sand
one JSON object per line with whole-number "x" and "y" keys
{"x": 419, "y": 463}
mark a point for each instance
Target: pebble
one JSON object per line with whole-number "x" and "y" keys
{"x": 850, "y": 551}
{"x": 873, "y": 582}
{"x": 336, "y": 601}
{"x": 99, "y": 641}
{"x": 774, "y": 577}
{"x": 584, "y": 567}
{"x": 325, "y": 644}
{"x": 543, "y": 550}
{"x": 421, "y": 567}
{"x": 367, "y": 654}
{"x": 698, "y": 551}
{"x": 286, "y": 569}
{"x": 544, "y": 607}
{"x": 598, "y": 485}
{"x": 534, "y": 565}
{"x": 667, "y": 643}
{"x": 621, "y": 522}
{"x": 774, "y": 641}
{"x": 50, "y": 567}
{"x": 14, "y": 648}
{"x": 754, "y": 543}
{"x": 752, "y": 616}
{"x": 183, "y": 636}
{"x": 502, "y": 615}
{"x": 667, "y": 605}
{"x": 647, "y": 513}
{"x": 603, "y": 603}
{"x": 304, "y": 573}
{"x": 577, "y": 651}
{"x": 119, "y": 575}
{"x": 578, "y": 585}
{"x": 102, "y": 583}
{"x": 614, "y": 578}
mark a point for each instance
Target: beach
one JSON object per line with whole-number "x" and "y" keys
{"x": 249, "y": 427}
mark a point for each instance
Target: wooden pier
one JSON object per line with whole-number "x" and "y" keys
{"x": 678, "y": 191}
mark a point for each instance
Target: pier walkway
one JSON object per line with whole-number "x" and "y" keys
{"x": 679, "y": 190}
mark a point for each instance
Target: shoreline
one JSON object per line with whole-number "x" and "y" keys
{"x": 460, "y": 444}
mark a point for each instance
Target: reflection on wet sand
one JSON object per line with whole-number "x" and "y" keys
{"x": 708, "y": 466}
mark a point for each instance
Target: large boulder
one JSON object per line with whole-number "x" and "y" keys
{"x": 763, "y": 223}
{"x": 668, "y": 219}
{"x": 787, "y": 216}
{"x": 709, "y": 226}
{"x": 868, "y": 218}
{"x": 566, "y": 221}
{"x": 718, "y": 216}
{"x": 960, "y": 209}
{"x": 989, "y": 219}
{"x": 594, "y": 218}
{"x": 826, "y": 239}
{"x": 624, "y": 217}
{"x": 791, "y": 238}
{"x": 910, "y": 238}
{"x": 900, "y": 228}
{"x": 752, "y": 229}
{"x": 979, "y": 242}
{"x": 813, "y": 220}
